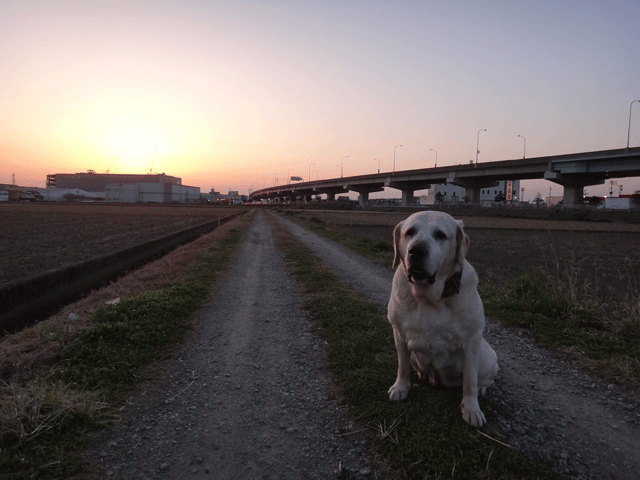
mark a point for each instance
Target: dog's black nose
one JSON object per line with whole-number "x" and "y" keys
{"x": 418, "y": 251}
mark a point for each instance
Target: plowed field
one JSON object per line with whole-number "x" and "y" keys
{"x": 35, "y": 238}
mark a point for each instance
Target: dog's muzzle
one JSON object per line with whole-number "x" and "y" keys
{"x": 419, "y": 275}
{"x": 415, "y": 272}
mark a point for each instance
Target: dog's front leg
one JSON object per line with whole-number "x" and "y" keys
{"x": 471, "y": 412}
{"x": 400, "y": 389}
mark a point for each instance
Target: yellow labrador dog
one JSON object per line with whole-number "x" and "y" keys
{"x": 436, "y": 312}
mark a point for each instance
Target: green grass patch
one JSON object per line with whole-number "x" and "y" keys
{"x": 125, "y": 337}
{"x": 423, "y": 437}
{"x": 43, "y": 424}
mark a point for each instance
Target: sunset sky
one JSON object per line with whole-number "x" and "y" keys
{"x": 238, "y": 95}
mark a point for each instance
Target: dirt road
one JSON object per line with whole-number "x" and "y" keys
{"x": 246, "y": 397}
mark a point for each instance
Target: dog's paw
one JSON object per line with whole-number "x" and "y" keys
{"x": 399, "y": 390}
{"x": 471, "y": 412}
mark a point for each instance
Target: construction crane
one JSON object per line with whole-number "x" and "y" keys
{"x": 152, "y": 159}
{"x": 111, "y": 164}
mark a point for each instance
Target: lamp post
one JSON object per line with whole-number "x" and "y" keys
{"x": 310, "y": 170}
{"x": 375, "y": 159}
{"x": 342, "y": 164}
{"x": 629, "y": 131}
{"x": 394, "y": 157}
{"x": 525, "y": 147}
{"x": 432, "y": 150}
{"x": 478, "y": 144}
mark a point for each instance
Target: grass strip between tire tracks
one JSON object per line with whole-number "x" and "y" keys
{"x": 44, "y": 423}
{"x": 423, "y": 437}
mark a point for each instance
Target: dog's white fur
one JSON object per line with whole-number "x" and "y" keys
{"x": 441, "y": 337}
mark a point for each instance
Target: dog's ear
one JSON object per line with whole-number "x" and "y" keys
{"x": 463, "y": 241}
{"x": 397, "y": 258}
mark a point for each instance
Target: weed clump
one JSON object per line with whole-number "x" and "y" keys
{"x": 42, "y": 416}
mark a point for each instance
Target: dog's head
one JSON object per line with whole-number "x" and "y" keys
{"x": 429, "y": 246}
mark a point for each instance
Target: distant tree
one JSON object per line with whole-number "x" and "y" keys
{"x": 467, "y": 199}
{"x": 500, "y": 197}
{"x": 636, "y": 197}
{"x": 439, "y": 197}
{"x": 593, "y": 200}
{"x": 538, "y": 200}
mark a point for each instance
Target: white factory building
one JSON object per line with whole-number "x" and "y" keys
{"x": 450, "y": 193}
{"x": 151, "y": 193}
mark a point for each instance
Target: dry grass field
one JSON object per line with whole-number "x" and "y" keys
{"x": 37, "y": 237}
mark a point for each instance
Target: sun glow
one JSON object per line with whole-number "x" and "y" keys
{"x": 133, "y": 138}
{"x": 132, "y": 125}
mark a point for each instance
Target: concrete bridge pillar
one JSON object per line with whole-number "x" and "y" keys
{"x": 331, "y": 196}
{"x": 573, "y": 186}
{"x": 573, "y": 194}
{"x": 363, "y": 199}
{"x": 407, "y": 197}
{"x": 472, "y": 186}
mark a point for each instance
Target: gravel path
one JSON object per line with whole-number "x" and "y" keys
{"x": 247, "y": 396}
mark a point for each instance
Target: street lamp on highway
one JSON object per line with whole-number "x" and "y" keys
{"x": 375, "y": 159}
{"x": 525, "y": 146}
{"x": 310, "y": 170}
{"x": 342, "y": 164}
{"x": 629, "y": 131}
{"x": 394, "y": 157}
{"x": 478, "y": 144}
{"x": 432, "y": 150}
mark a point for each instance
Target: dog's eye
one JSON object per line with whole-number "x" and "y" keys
{"x": 411, "y": 231}
{"x": 439, "y": 235}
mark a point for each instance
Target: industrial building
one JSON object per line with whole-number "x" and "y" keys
{"x": 127, "y": 188}
{"x": 449, "y": 193}
{"x": 91, "y": 181}
{"x": 151, "y": 193}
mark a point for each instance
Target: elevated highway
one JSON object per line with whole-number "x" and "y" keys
{"x": 573, "y": 171}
